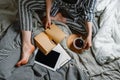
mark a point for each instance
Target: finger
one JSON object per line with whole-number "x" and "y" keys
{"x": 49, "y": 24}
{"x": 46, "y": 26}
{"x": 87, "y": 47}
{"x": 85, "y": 44}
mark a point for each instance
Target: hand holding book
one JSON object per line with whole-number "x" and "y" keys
{"x": 48, "y": 39}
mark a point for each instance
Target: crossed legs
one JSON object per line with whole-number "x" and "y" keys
{"x": 25, "y": 14}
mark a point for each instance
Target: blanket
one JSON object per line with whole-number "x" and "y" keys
{"x": 8, "y": 13}
{"x": 84, "y": 66}
{"x": 106, "y": 44}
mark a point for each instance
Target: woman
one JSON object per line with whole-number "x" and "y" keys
{"x": 78, "y": 11}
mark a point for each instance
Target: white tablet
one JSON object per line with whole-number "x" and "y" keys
{"x": 54, "y": 60}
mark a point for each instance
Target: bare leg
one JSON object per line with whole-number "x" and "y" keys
{"x": 59, "y": 17}
{"x": 27, "y": 48}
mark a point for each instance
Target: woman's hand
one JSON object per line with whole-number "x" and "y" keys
{"x": 48, "y": 23}
{"x": 88, "y": 42}
{"x": 48, "y": 17}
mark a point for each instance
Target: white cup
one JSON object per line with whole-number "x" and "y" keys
{"x": 78, "y": 43}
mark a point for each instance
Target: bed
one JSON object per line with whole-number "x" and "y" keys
{"x": 101, "y": 62}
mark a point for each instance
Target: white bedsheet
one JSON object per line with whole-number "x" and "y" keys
{"x": 106, "y": 44}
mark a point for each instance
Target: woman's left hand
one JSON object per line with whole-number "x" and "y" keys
{"x": 87, "y": 43}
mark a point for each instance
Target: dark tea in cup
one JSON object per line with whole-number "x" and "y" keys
{"x": 78, "y": 43}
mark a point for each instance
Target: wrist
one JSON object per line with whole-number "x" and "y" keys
{"x": 89, "y": 36}
{"x": 48, "y": 14}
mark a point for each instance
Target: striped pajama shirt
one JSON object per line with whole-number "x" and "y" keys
{"x": 76, "y": 14}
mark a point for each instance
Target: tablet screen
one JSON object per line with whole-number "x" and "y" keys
{"x": 48, "y": 60}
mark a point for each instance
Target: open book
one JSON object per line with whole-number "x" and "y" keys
{"x": 56, "y": 58}
{"x": 48, "y": 39}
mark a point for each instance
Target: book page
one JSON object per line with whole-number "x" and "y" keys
{"x": 55, "y": 33}
{"x": 64, "y": 57}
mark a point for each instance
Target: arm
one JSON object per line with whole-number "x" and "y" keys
{"x": 89, "y": 12}
{"x": 88, "y": 42}
{"x": 48, "y": 9}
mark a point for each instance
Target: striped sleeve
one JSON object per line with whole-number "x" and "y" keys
{"x": 89, "y": 9}
{"x": 55, "y": 8}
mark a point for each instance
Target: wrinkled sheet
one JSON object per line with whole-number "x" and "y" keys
{"x": 7, "y": 14}
{"x": 83, "y": 66}
{"x": 10, "y": 54}
{"x": 106, "y": 44}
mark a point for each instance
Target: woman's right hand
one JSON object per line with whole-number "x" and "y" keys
{"x": 48, "y": 22}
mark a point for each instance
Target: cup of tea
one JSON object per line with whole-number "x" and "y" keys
{"x": 78, "y": 43}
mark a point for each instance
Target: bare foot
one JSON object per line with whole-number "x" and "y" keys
{"x": 27, "y": 50}
{"x": 59, "y": 17}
